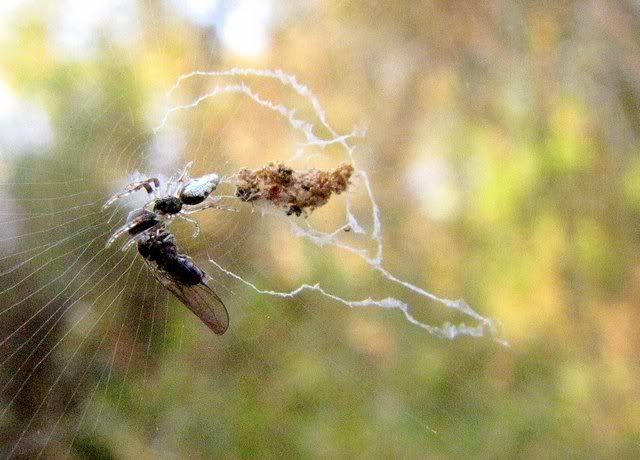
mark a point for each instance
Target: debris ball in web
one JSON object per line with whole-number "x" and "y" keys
{"x": 295, "y": 191}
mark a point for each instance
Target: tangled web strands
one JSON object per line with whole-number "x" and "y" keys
{"x": 93, "y": 280}
{"x": 374, "y": 259}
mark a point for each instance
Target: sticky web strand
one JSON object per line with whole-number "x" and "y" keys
{"x": 65, "y": 307}
{"x": 447, "y": 330}
{"x": 56, "y": 231}
{"x": 69, "y": 361}
{"x": 61, "y": 373}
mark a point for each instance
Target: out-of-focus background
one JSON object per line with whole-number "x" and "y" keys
{"x": 503, "y": 150}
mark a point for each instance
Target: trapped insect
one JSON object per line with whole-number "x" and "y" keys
{"x": 146, "y": 227}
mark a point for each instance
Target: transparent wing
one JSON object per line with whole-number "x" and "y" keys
{"x": 198, "y": 298}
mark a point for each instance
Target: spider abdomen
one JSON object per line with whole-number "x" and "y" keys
{"x": 199, "y": 188}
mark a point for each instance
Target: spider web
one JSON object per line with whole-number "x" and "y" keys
{"x": 86, "y": 333}
{"x": 71, "y": 360}
{"x": 369, "y": 233}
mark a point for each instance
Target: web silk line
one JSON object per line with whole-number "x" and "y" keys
{"x": 447, "y": 330}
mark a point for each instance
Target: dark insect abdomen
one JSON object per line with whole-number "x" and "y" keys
{"x": 183, "y": 270}
{"x": 159, "y": 247}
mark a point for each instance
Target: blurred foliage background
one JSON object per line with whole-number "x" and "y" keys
{"x": 503, "y": 148}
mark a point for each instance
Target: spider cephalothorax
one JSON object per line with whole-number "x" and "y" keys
{"x": 167, "y": 205}
{"x": 182, "y": 196}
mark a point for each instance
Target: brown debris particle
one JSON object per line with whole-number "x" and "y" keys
{"x": 296, "y": 191}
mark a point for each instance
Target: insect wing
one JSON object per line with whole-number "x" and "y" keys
{"x": 199, "y": 298}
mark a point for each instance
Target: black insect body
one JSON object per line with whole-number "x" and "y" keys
{"x": 159, "y": 247}
{"x": 177, "y": 272}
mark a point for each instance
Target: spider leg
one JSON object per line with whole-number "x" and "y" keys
{"x": 125, "y": 229}
{"x": 132, "y": 188}
{"x": 177, "y": 180}
{"x": 210, "y": 202}
{"x": 184, "y": 174}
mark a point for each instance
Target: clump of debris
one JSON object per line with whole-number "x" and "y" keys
{"x": 296, "y": 191}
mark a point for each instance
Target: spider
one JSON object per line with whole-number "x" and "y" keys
{"x": 183, "y": 196}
